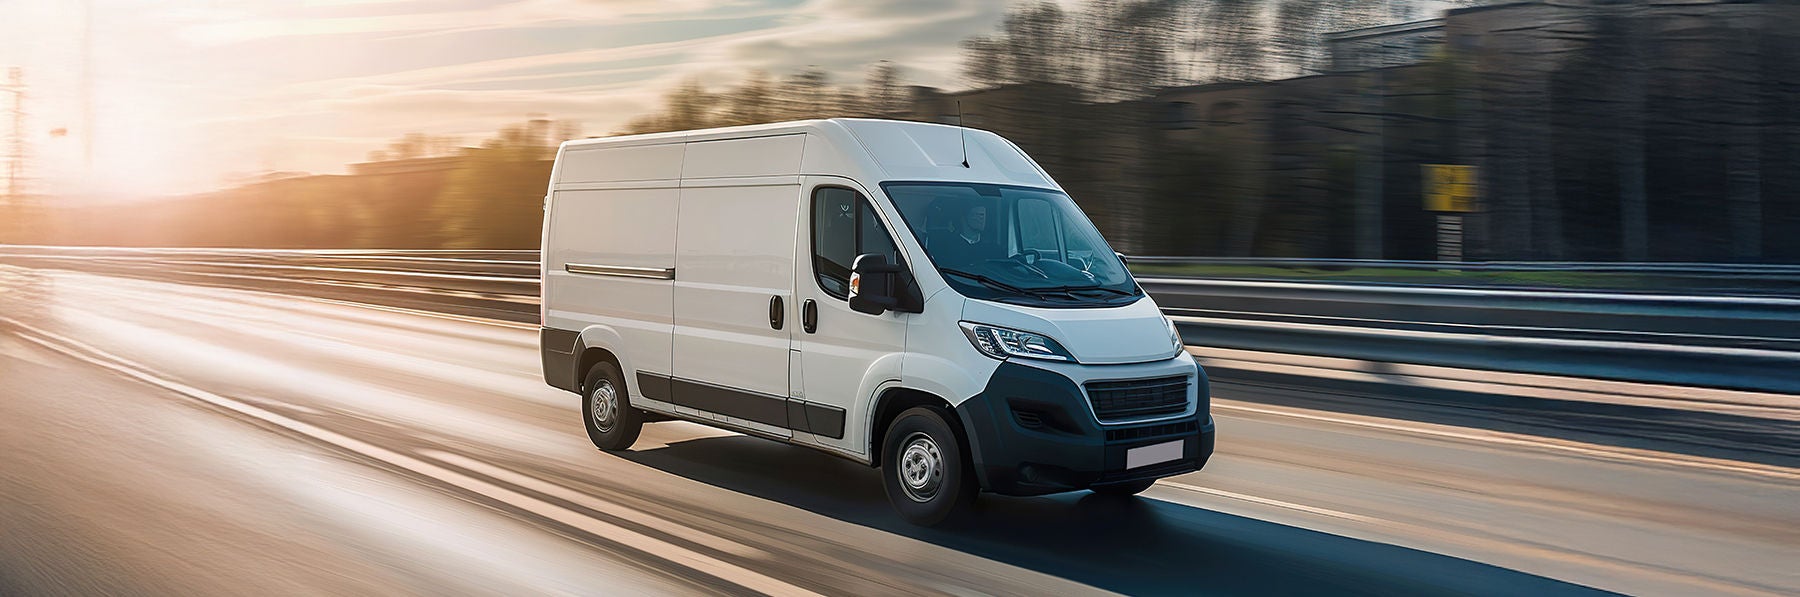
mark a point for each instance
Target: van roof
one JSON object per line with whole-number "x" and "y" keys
{"x": 874, "y": 150}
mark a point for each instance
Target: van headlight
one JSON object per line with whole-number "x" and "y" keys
{"x": 1000, "y": 343}
{"x": 1175, "y": 334}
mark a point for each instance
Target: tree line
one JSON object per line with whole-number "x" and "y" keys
{"x": 1602, "y": 130}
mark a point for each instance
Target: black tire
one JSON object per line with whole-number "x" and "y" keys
{"x": 621, "y": 429}
{"x": 917, "y": 439}
{"x": 1124, "y": 489}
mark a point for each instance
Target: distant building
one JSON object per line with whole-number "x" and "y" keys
{"x": 1383, "y": 46}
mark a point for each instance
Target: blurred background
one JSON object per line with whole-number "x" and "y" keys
{"x": 1574, "y": 131}
{"x": 1492, "y": 297}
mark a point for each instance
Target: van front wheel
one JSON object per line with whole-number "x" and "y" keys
{"x": 612, "y": 423}
{"x": 923, "y": 469}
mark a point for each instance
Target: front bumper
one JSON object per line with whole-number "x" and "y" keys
{"x": 1058, "y": 445}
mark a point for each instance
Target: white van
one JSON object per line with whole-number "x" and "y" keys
{"x": 917, "y": 297}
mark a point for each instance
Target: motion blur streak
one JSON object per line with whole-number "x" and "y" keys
{"x": 339, "y": 448}
{"x": 610, "y": 532}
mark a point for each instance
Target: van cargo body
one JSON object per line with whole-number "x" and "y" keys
{"x": 917, "y": 297}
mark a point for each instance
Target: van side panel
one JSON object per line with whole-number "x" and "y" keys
{"x": 615, "y": 230}
{"x": 621, "y": 164}
{"x": 736, "y": 158}
{"x": 734, "y": 257}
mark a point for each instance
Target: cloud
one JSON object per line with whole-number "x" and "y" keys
{"x": 228, "y": 28}
{"x": 298, "y": 85}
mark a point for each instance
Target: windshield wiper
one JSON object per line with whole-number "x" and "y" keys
{"x": 989, "y": 282}
{"x": 1040, "y": 292}
{"x": 1093, "y": 287}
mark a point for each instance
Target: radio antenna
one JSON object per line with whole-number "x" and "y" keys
{"x": 964, "y": 132}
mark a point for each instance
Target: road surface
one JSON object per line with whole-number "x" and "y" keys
{"x": 165, "y": 438}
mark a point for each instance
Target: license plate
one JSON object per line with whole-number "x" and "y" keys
{"x": 1154, "y": 454}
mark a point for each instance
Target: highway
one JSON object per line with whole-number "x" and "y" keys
{"x": 165, "y": 433}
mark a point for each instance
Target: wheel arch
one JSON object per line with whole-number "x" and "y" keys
{"x": 895, "y": 400}
{"x": 600, "y": 344}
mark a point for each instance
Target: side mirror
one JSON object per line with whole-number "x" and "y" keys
{"x": 872, "y": 288}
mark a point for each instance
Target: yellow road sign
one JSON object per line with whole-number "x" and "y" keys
{"x": 1450, "y": 188}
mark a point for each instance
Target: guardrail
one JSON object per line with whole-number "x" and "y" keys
{"x": 1735, "y": 342}
{"x": 1481, "y": 266}
{"x": 1723, "y": 279}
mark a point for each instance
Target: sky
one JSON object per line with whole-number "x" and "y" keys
{"x": 189, "y": 95}
{"x": 194, "y": 95}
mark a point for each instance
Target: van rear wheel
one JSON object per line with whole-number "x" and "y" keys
{"x": 612, "y": 423}
{"x": 923, "y": 469}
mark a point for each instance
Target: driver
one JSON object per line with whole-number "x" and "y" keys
{"x": 966, "y": 245}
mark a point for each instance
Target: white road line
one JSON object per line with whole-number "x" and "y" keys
{"x": 1528, "y": 441}
{"x": 589, "y": 502}
{"x": 703, "y": 563}
{"x": 1268, "y": 502}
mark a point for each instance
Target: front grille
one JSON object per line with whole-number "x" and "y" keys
{"x": 1120, "y": 400}
{"x": 1131, "y": 433}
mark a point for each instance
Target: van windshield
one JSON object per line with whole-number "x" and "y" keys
{"x": 1013, "y": 244}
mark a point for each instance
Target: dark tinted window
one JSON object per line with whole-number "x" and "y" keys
{"x": 844, "y": 226}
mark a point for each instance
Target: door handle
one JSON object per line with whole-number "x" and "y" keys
{"x": 809, "y": 316}
{"x": 777, "y": 312}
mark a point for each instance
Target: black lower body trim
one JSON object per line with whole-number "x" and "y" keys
{"x": 557, "y": 348}
{"x": 749, "y": 406}
{"x": 824, "y": 420}
{"x": 653, "y": 386}
{"x": 787, "y": 413}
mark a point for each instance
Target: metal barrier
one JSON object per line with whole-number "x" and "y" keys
{"x": 1482, "y": 266}
{"x": 1735, "y": 342}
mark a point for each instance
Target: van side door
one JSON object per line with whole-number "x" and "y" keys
{"x": 734, "y": 282}
{"x": 844, "y": 355}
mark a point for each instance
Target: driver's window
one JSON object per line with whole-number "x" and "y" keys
{"x": 844, "y": 226}
{"x": 1038, "y": 228}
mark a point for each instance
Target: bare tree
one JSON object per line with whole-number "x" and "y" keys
{"x": 689, "y": 106}
{"x": 883, "y": 94}
{"x": 806, "y": 94}
{"x": 1231, "y": 36}
{"x": 751, "y": 101}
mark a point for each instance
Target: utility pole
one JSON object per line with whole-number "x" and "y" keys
{"x": 13, "y": 201}
{"x": 15, "y": 140}
{"x": 87, "y": 89}
{"x": 1371, "y": 167}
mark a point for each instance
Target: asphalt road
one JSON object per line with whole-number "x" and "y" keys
{"x": 163, "y": 438}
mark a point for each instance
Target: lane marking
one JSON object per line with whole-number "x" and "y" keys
{"x": 628, "y": 538}
{"x": 1510, "y": 439}
{"x": 587, "y": 501}
{"x": 1269, "y": 502}
{"x": 1458, "y": 534}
